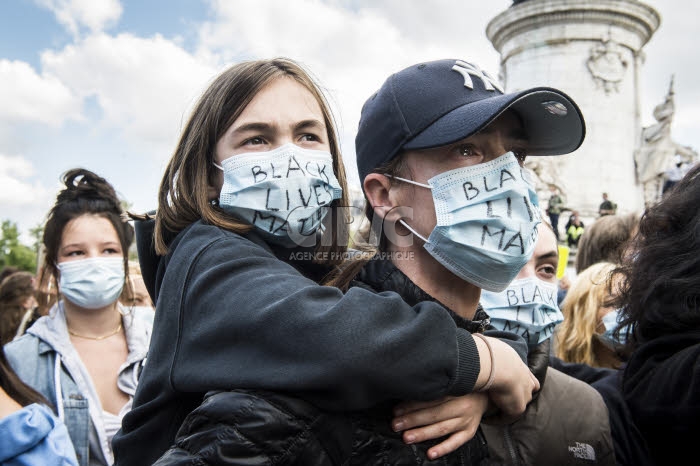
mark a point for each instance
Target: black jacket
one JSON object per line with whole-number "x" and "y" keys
{"x": 231, "y": 314}
{"x": 661, "y": 386}
{"x": 263, "y": 428}
{"x": 254, "y": 427}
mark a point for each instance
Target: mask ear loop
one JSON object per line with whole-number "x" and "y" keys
{"x": 409, "y": 181}
{"x": 425, "y": 240}
{"x": 422, "y": 185}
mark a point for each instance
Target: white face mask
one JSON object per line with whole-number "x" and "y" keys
{"x": 143, "y": 313}
{"x": 92, "y": 283}
{"x": 528, "y": 307}
{"x": 285, "y": 193}
{"x": 486, "y": 221}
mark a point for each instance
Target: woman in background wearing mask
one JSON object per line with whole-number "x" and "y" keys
{"x": 85, "y": 356}
{"x": 585, "y": 335}
{"x": 568, "y": 420}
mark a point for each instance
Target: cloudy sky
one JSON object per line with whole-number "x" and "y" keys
{"x": 108, "y": 84}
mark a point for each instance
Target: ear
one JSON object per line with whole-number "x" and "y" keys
{"x": 212, "y": 193}
{"x": 379, "y": 195}
{"x": 216, "y": 182}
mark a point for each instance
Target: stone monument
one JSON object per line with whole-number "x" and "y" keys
{"x": 591, "y": 50}
{"x": 658, "y": 152}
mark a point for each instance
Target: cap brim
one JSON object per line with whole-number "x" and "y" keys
{"x": 551, "y": 120}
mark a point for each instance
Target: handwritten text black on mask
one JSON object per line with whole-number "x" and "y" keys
{"x": 502, "y": 238}
{"x": 317, "y": 194}
{"x": 529, "y": 295}
{"x": 532, "y": 322}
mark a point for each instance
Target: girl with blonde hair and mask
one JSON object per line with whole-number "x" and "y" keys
{"x": 585, "y": 334}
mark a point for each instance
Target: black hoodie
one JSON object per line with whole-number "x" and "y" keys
{"x": 231, "y": 314}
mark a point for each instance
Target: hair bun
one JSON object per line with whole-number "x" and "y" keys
{"x": 84, "y": 184}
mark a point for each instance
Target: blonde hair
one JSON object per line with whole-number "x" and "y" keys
{"x": 575, "y": 336}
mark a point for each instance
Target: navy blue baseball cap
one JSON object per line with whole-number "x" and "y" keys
{"x": 440, "y": 102}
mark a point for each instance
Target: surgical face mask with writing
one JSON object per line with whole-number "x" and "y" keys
{"x": 528, "y": 307}
{"x": 285, "y": 193}
{"x": 486, "y": 221}
{"x": 92, "y": 283}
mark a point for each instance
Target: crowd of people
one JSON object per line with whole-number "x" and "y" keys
{"x": 251, "y": 330}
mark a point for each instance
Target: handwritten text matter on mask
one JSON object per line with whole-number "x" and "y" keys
{"x": 295, "y": 200}
{"x": 502, "y": 238}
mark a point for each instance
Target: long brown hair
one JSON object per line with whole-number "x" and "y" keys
{"x": 14, "y": 387}
{"x": 606, "y": 240}
{"x": 14, "y": 291}
{"x": 182, "y": 197}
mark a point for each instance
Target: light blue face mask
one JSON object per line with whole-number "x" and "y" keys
{"x": 611, "y": 320}
{"x": 285, "y": 193}
{"x": 528, "y": 307}
{"x": 92, "y": 283}
{"x": 486, "y": 221}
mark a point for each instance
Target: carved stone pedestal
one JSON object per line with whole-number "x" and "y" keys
{"x": 591, "y": 50}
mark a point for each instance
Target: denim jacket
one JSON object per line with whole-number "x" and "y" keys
{"x": 45, "y": 359}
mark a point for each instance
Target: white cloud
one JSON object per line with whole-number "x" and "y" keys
{"x": 17, "y": 188}
{"x": 28, "y": 96}
{"x": 95, "y": 15}
{"x": 352, "y": 47}
{"x": 144, "y": 86}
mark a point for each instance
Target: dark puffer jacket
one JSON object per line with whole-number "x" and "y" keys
{"x": 259, "y": 427}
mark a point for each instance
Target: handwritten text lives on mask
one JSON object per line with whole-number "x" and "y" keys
{"x": 317, "y": 192}
{"x": 503, "y": 236}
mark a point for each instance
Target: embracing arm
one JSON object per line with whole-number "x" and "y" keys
{"x": 245, "y": 319}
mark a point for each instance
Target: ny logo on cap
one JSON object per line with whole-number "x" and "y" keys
{"x": 467, "y": 69}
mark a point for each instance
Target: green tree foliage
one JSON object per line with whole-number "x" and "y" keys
{"x": 37, "y": 234}
{"x": 14, "y": 253}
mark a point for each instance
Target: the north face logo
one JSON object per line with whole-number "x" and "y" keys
{"x": 582, "y": 451}
{"x": 467, "y": 69}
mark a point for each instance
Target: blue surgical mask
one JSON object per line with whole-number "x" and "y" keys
{"x": 486, "y": 221}
{"x": 92, "y": 283}
{"x": 285, "y": 193}
{"x": 528, "y": 307}
{"x": 611, "y": 320}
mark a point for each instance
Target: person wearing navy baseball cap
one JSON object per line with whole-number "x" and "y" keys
{"x": 448, "y": 128}
{"x": 440, "y": 151}
{"x": 438, "y": 103}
